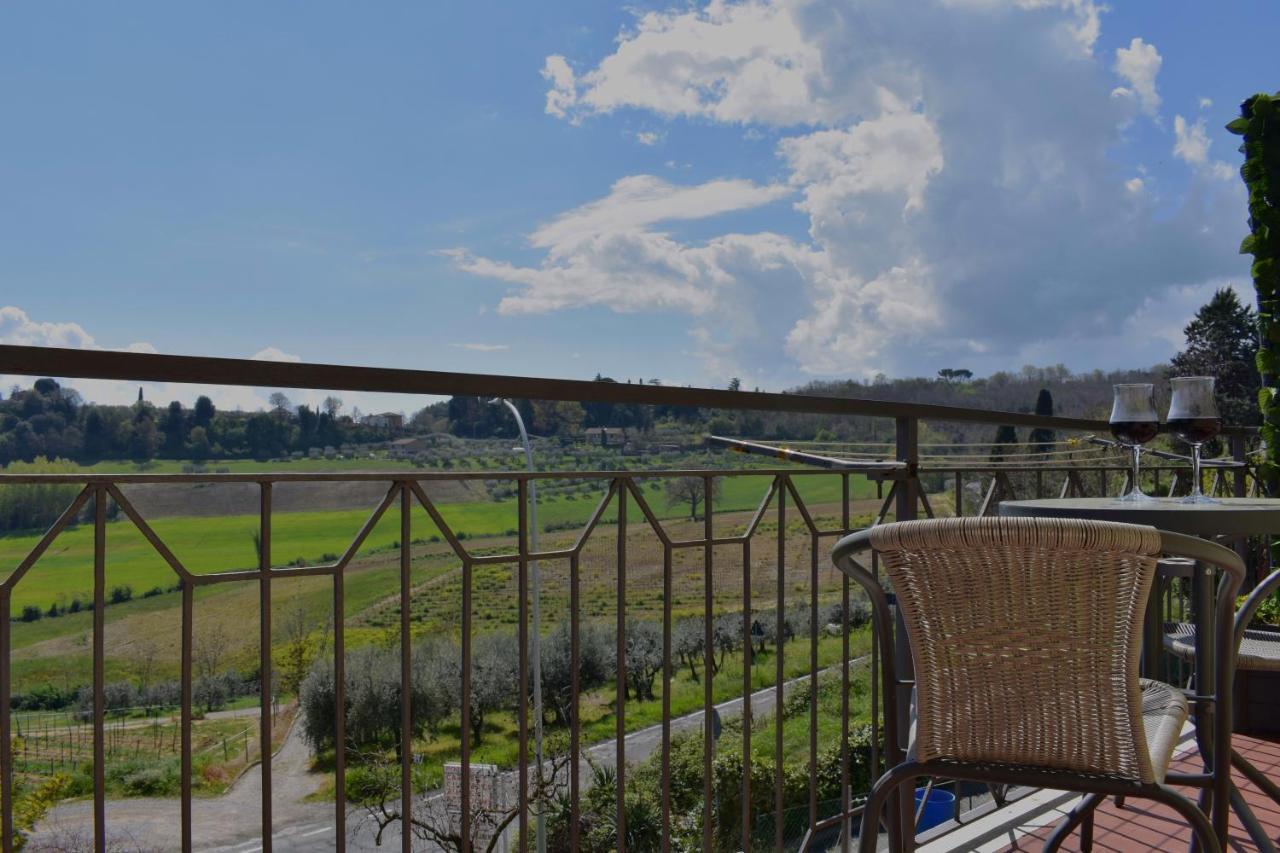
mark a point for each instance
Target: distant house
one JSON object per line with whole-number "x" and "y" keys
{"x": 407, "y": 448}
{"x": 393, "y": 421}
{"x": 606, "y": 436}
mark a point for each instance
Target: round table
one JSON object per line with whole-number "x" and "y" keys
{"x": 1228, "y": 518}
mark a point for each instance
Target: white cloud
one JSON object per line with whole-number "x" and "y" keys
{"x": 639, "y": 201}
{"x": 1138, "y": 64}
{"x": 274, "y": 354}
{"x": 729, "y": 61}
{"x": 19, "y": 329}
{"x": 1205, "y": 103}
{"x": 897, "y": 152}
{"x": 1191, "y": 143}
{"x": 563, "y": 92}
{"x": 649, "y": 137}
{"x": 955, "y": 164}
{"x": 475, "y": 347}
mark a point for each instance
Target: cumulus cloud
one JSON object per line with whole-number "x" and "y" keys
{"x": 563, "y": 92}
{"x": 274, "y": 354}
{"x": 729, "y": 61}
{"x": 639, "y": 201}
{"x": 954, "y": 165}
{"x": 1191, "y": 143}
{"x": 649, "y": 137}
{"x": 16, "y": 327}
{"x": 1138, "y": 64}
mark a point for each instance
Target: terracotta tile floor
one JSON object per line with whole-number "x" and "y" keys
{"x": 1143, "y": 825}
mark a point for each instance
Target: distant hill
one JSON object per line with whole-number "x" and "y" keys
{"x": 1074, "y": 395}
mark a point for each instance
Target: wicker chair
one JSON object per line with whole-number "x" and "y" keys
{"x": 1026, "y": 636}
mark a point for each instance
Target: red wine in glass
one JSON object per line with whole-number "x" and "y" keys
{"x": 1195, "y": 430}
{"x": 1132, "y": 433}
{"x": 1134, "y": 422}
{"x": 1194, "y": 417}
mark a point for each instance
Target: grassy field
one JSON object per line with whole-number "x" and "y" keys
{"x": 221, "y": 543}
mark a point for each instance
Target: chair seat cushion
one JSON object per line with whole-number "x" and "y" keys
{"x": 1259, "y": 650}
{"x": 1164, "y": 711}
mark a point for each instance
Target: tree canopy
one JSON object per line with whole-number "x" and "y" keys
{"x": 1222, "y": 342}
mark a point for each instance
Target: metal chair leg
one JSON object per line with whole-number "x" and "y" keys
{"x": 1202, "y": 830}
{"x": 1254, "y": 775}
{"x": 1250, "y": 821}
{"x": 1082, "y": 812}
{"x": 888, "y": 785}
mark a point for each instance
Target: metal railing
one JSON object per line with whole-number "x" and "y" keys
{"x": 756, "y": 579}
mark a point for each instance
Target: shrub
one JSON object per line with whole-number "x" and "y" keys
{"x": 31, "y": 613}
{"x": 153, "y": 592}
{"x": 151, "y": 782}
{"x": 44, "y": 697}
{"x": 121, "y": 594}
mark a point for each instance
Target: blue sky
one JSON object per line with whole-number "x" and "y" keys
{"x": 777, "y": 191}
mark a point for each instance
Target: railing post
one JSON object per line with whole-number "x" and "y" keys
{"x": 1237, "y": 453}
{"x": 907, "y": 437}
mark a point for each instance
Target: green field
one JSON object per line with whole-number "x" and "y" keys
{"x": 221, "y": 543}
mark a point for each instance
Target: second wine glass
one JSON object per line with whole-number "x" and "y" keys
{"x": 1193, "y": 417}
{"x": 1134, "y": 422}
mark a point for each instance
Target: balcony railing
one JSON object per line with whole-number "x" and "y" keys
{"x": 733, "y": 564}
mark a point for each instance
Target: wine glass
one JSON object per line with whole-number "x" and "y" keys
{"x": 1134, "y": 422}
{"x": 1193, "y": 417}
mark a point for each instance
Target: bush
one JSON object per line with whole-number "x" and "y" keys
{"x": 151, "y": 782}
{"x": 121, "y": 594}
{"x": 31, "y": 613}
{"x": 44, "y": 697}
{"x": 153, "y": 592}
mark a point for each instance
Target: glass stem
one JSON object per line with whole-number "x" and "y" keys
{"x": 1195, "y": 470}
{"x": 1137, "y": 455}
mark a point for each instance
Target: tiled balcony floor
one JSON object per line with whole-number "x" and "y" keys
{"x": 1140, "y": 825}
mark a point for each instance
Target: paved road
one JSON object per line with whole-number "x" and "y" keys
{"x": 232, "y": 823}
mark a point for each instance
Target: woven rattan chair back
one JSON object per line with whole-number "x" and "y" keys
{"x": 1026, "y": 634}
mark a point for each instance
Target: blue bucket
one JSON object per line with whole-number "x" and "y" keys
{"x": 939, "y": 809}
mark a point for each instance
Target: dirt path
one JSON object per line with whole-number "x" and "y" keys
{"x": 219, "y": 823}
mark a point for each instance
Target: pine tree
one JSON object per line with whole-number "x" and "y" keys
{"x": 1005, "y": 441}
{"x": 1222, "y": 342}
{"x": 1042, "y": 439}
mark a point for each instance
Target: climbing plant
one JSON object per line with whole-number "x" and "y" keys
{"x": 1259, "y": 124}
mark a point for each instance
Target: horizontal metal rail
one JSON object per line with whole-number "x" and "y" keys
{"x": 200, "y": 370}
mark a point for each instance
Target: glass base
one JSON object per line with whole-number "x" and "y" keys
{"x": 1199, "y": 499}
{"x": 1135, "y": 496}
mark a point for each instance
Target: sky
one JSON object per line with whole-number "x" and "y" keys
{"x": 776, "y": 191}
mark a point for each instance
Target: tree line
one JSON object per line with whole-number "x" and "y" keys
{"x": 373, "y": 685}
{"x": 52, "y": 421}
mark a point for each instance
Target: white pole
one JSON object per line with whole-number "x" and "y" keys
{"x": 535, "y": 649}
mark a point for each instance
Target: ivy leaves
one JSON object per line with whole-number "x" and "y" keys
{"x": 1259, "y": 124}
